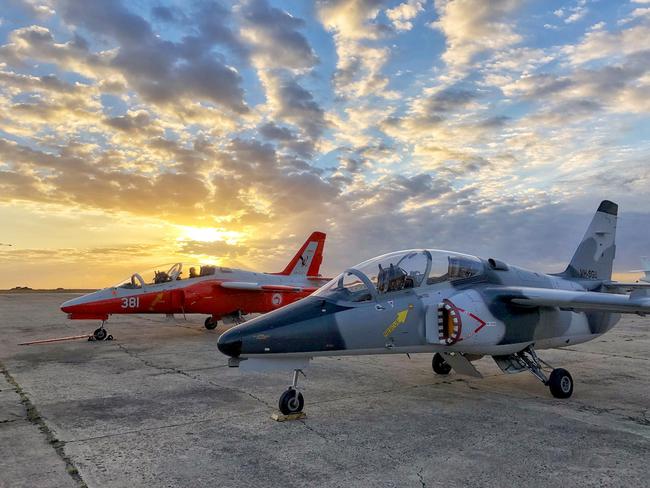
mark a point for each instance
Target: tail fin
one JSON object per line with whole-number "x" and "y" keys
{"x": 594, "y": 257}
{"x": 645, "y": 262}
{"x": 308, "y": 259}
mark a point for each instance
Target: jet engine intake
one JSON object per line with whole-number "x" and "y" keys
{"x": 450, "y": 324}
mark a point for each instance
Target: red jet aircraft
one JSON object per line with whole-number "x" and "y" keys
{"x": 223, "y": 293}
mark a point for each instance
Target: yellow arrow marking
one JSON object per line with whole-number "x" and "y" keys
{"x": 400, "y": 319}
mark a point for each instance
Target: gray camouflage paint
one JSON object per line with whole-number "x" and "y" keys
{"x": 320, "y": 325}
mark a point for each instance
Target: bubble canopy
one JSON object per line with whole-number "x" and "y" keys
{"x": 165, "y": 273}
{"x": 398, "y": 271}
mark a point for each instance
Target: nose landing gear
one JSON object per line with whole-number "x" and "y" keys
{"x": 439, "y": 365}
{"x": 101, "y": 334}
{"x": 292, "y": 401}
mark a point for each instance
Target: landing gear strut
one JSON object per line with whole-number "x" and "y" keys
{"x": 560, "y": 382}
{"x": 101, "y": 334}
{"x": 291, "y": 400}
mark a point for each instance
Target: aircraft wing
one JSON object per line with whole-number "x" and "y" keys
{"x": 244, "y": 285}
{"x": 638, "y": 303}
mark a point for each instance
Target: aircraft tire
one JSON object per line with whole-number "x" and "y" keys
{"x": 290, "y": 403}
{"x": 439, "y": 365}
{"x": 560, "y": 383}
{"x": 210, "y": 323}
{"x": 100, "y": 334}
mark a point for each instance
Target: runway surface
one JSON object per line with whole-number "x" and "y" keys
{"x": 158, "y": 406}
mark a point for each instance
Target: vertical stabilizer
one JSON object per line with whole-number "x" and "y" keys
{"x": 594, "y": 257}
{"x": 308, "y": 259}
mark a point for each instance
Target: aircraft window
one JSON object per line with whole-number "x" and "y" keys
{"x": 449, "y": 267}
{"x": 414, "y": 264}
{"x": 461, "y": 267}
{"x": 163, "y": 273}
{"x": 347, "y": 287}
{"x": 131, "y": 284}
{"x": 207, "y": 270}
{"x": 397, "y": 271}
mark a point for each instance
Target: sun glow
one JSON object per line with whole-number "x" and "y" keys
{"x": 209, "y": 234}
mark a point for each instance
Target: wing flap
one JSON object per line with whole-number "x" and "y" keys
{"x": 575, "y": 300}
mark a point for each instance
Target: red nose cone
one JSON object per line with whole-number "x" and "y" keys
{"x": 83, "y": 309}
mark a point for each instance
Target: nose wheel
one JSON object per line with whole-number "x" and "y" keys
{"x": 439, "y": 365}
{"x": 292, "y": 401}
{"x": 100, "y": 334}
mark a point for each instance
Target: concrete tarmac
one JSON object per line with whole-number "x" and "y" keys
{"x": 158, "y": 406}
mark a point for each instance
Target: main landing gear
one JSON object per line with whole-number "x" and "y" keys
{"x": 211, "y": 323}
{"x": 101, "y": 334}
{"x": 559, "y": 382}
{"x": 232, "y": 319}
{"x": 291, "y": 401}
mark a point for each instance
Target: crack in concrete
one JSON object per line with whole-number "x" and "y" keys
{"x": 8, "y": 421}
{"x": 35, "y": 418}
{"x": 311, "y": 429}
{"x": 420, "y": 478}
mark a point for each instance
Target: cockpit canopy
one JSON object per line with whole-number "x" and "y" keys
{"x": 168, "y": 272}
{"x": 399, "y": 271}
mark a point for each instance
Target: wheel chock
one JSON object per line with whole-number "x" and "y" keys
{"x": 280, "y": 417}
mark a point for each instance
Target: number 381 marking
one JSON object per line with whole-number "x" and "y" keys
{"x": 130, "y": 302}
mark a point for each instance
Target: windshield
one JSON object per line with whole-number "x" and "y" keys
{"x": 400, "y": 271}
{"x": 348, "y": 287}
{"x": 165, "y": 273}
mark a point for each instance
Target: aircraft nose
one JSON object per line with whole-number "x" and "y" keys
{"x": 230, "y": 343}
{"x": 69, "y": 305}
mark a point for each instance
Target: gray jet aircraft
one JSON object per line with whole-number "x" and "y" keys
{"x": 457, "y": 306}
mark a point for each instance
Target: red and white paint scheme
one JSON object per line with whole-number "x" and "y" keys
{"x": 223, "y": 293}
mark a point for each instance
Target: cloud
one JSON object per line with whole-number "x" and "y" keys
{"x": 599, "y": 44}
{"x": 473, "y": 27}
{"x": 161, "y": 71}
{"x": 274, "y": 38}
{"x": 577, "y": 12}
{"x": 354, "y": 25}
{"x": 353, "y": 19}
{"x": 291, "y": 103}
{"x": 254, "y": 120}
{"x": 402, "y": 15}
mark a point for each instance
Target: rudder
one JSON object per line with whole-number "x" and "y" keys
{"x": 308, "y": 259}
{"x": 594, "y": 257}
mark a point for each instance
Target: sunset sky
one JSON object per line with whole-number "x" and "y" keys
{"x": 144, "y": 132}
